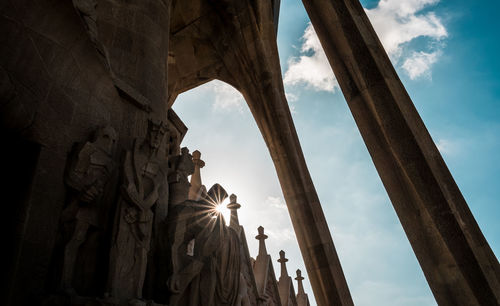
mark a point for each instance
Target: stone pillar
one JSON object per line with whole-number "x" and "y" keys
{"x": 233, "y": 207}
{"x": 196, "y": 186}
{"x": 456, "y": 259}
{"x": 253, "y": 56}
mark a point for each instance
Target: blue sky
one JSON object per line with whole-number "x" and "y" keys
{"x": 447, "y": 55}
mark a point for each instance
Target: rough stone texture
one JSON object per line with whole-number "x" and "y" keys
{"x": 88, "y": 176}
{"x": 58, "y": 92}
{"x": 144, "y": 186}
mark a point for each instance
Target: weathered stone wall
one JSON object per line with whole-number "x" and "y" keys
{"x": 55, "y": 91}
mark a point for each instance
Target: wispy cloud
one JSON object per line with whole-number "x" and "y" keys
{"x": 311, "y": 69}
{"x": 276, "y": 202}
{"x": 419, "y": 64}
{"x": 227, "y": 98}
{"x": 397, "y": 22}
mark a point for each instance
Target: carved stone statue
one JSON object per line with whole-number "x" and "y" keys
{"x": 205, "y": 255}
{"x": 182, "y": 167}
{"x": 88, "y": 174}
{"x": 145, "y": 182}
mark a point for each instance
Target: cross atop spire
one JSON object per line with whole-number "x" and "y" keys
{"x": 196, "y": 190}
{"x": 282, "y": 261}
{"x": 262, "y": 243}
{"x": 299, "y": 279}
{"x": 233, "y": 207}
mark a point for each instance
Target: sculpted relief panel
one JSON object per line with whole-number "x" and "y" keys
{"x": 203, "y": 260}
{"x": 88, "y": 174}
{"x": 144, "y": 185}
{"x": 205, "y": 254}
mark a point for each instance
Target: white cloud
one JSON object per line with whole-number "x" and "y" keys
{"x": 227, "y": 98}
{"x": 397, "y": 22}
{"x": 282, "y": 235}
{"x": 276, "y": 202}
{"x": 314, "y": 70}
{"x": 449, "y": 147}
{"x": 419, "y": 64}
{"x": 291, "y": 97}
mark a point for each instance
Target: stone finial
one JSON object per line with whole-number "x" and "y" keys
{"x": 262, "y": 243}
{"x": 196, "y": 155}
{"x": 299, "y": 279}
{"x": 282, "y": 261}
{"x": 195, "y": 191}
{"x": 233, "y": 207}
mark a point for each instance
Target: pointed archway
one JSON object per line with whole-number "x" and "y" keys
{"x": 237, "y": 45}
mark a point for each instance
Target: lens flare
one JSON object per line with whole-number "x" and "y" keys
{"x": 220, "y": 208}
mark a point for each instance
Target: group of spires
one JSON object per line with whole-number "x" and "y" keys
{"x": 285, "y": 285}
{"x": 262, "y": 264}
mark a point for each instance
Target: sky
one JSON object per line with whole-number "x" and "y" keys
{"x": 446, "y": 54}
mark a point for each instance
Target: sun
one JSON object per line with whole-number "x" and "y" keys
{"x": 220, "y": 208}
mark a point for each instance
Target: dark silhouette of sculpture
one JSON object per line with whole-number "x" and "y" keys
{"x": 205, "y": 255}
{"x": 88, "y": 174}
{"x": 182, "y": 167}
{"x": 145, "y": 181}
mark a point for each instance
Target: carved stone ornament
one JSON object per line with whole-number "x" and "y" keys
{"x": 144, "y": 185}
{"x": 207, "y": 273}
{"x": 88, "y": 173}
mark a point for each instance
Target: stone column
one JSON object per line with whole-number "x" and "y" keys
{"x": 252, "y": 54}
{"x": 233, "y": 207}
{"x": 456, "y": 259}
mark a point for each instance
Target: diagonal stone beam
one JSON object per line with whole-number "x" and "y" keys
{"x": 457, "y": 261}
{"x": 251, "y": 58}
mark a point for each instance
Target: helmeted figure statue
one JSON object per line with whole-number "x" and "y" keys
{"x": 205, "y": 254}
{"x": 88, "y": 173}
{"x": 145, "y": 182}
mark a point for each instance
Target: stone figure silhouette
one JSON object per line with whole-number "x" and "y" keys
{"x": 145, "y": 181}
{"x": 205, "y": 255}
{"x": 87, "y": 174}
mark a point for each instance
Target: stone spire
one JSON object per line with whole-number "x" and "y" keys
{"x": 195, "y": 191}
{"x": 233, "y": 206}
{"x": 262, "y": 243}
{"x": 282, "y": 261}
{"x": 302, "y": 299}
{"x": 300, "y": 286}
